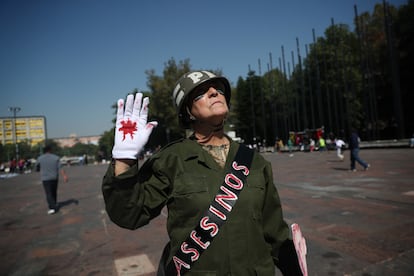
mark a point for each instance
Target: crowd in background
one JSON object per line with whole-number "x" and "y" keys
{"x": 14, "y": 166}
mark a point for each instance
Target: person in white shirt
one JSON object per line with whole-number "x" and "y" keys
{"x": 339, "y": 144}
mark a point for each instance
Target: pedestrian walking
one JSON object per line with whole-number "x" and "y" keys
{"x": 50, "y": 166}
{"x": 290, "y": 147}
{"x": 322, "y": 144}
{"x": 354, "y": 141}
{"x": 213, "y": 187}
{"x": 311, "y": 145}
{"x": 339, "y": 144}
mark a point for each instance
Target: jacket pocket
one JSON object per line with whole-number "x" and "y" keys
{"x": 187, "y": 184}
{"x": 255, "y": 190}
{"x": 190, "y": 195}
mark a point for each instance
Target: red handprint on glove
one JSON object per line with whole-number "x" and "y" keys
{"x": 131, "y": 129}
{"x": 128, "y": 127}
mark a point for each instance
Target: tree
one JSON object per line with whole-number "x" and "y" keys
{"x": 162, "y": 108}
{"x": 404, "y": 29}
{"x": 251, "y": 124}
{"x": 105, "y": 145}
{"x": 334, "y": 60}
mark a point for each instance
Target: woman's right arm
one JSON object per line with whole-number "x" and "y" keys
{"x": 123, "y": 195}
{"x": 123, "y": 165}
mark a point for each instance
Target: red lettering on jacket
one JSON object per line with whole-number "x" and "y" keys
{"x": 233, "y": 181}
{"x": 198, "y": 241}
{"x": 244, "y": 169}
{"x": 218, "y": 213}
{"x": 188, "y": 250}
{"x": 228, "y": 196}
{"x": 178, "y": 264}
{"x": 205, "y": 225}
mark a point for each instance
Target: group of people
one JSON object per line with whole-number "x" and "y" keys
{"x": 14, "y": 166}
{"x": 339, "y": 144}
{"x": 353, "y": 147}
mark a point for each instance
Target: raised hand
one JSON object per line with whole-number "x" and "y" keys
{"x": 131, "y": 128}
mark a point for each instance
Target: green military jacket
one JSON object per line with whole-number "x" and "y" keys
{"x": 185, "y": 178}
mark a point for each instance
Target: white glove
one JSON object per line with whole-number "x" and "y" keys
{"x": 131, "y": 128}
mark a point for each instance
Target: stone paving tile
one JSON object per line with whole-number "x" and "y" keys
{"x": 355, "y": 223}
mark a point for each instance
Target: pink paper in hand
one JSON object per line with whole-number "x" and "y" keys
{"x": 300, "y": 246}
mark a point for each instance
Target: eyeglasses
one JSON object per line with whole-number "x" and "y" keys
{"x": 202, "y": 90}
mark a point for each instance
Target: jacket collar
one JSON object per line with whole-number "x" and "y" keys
{"x": 195, "y": 151}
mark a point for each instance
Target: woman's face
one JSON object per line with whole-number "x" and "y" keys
{"x": 208, "y": 103}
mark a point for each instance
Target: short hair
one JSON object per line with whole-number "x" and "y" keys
{"x": 47, "y": 148}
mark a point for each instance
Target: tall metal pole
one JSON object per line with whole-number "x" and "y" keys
{"x": 295, "y": 92}
{"x": 327, "y": 91}
{"x": 335, "y": 91}
{"x": 250, "y": 76}
{"x": 285, "y": 94}
{"x": 264, "y": 138}
{"x": 393, "y": 57}
{"x": 302, "y": 88}
{"x": 14, "y": 110}
{"x": 310, "y": 89}
{"x": 273, "y": 105}
{"x": 321, "y": 120}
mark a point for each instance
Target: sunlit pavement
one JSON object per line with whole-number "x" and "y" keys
{"x": 355, "y": 223}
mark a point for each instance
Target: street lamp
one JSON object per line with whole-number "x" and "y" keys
{"x": 14, "y": 110}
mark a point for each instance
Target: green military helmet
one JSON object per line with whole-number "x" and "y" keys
{"x": 186, "y": 84}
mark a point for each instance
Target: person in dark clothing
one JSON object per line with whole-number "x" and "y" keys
{"x": 354, "y": 151}
{"x": 185, "y": 177}
{"x": 50, "y": 166}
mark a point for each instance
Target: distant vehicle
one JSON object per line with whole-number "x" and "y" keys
{"x": 72, "y": 160}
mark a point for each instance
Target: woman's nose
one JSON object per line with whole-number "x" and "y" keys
{"x": 212, "y": 92}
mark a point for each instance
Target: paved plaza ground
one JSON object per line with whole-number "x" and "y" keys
{"x": 355, "y": 223}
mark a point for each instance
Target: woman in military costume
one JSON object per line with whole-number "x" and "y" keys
{"x": 186, "y": 176}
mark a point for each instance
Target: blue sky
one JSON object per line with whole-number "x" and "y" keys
{"x": 70, "y": 60}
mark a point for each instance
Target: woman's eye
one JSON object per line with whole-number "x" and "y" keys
{"x": 199, "y": 97}
{"x": 220, "y": 91}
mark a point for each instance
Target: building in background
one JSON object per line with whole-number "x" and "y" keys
{"x": 30, "y": 129}
{"x": 74, "y": 139}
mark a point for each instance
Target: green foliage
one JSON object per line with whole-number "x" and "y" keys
{"x": 80, "y": 149}
{"x": 105, "y": 145}
{"x": 261, "y": 102}
{"x": 162, "y": 107}
{"x": 26, "y": 150}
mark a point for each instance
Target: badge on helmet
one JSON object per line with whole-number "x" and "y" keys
{"x": 186, "y": 84}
